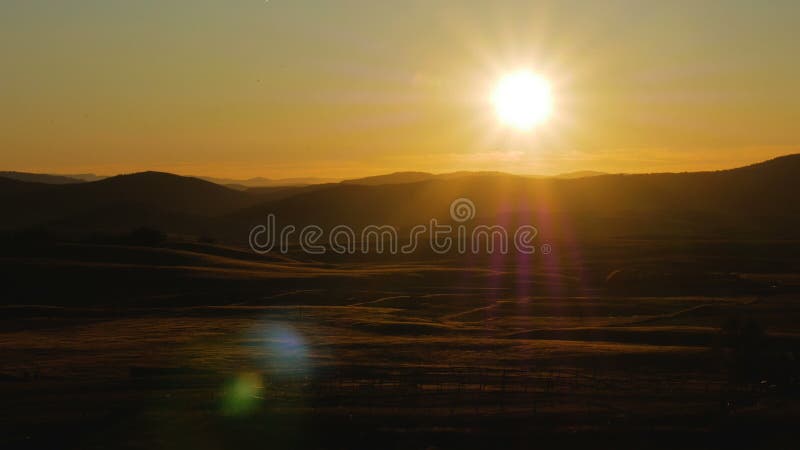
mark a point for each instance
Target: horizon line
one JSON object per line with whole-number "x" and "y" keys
{"x": 321, "y": 179}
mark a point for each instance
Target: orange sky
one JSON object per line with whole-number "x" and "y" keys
{"x": 351, "y": 88}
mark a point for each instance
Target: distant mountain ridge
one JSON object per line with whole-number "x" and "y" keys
{"x": 268, "y": 182}
{"x": 745, "y": 200}
{"x": 261, "y": 182}
{"x": 414, "y": 177}
{"x": 40, "y": 178}
{"x": 579, "y": 174}
{"x": 86, "y": 176}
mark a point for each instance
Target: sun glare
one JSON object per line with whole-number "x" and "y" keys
{"x": 522, "y": 100}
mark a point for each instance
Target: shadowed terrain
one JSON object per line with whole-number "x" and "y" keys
{"x": 135, "y": 316}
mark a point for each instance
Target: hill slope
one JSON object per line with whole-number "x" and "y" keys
{"x": 752, "y": 201}
{"x": 151, "y": 192}
{"x": 744, "y": 200}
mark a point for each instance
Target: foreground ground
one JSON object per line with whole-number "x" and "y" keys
{"x": 284, "y": 354}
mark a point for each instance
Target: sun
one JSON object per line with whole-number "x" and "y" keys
{"x": 522, "y": 100}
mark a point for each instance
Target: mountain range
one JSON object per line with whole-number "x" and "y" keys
{"x": 261, "y": 182}
{"x": 755, "y": 201}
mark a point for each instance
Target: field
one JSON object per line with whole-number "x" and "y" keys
{"x": 190, "y": 346}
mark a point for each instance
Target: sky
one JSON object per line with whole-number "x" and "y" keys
{"x": 336, "y": 89}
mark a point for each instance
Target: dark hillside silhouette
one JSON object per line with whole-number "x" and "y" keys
{"x": 747, "y": 200}
{"x": 41, "y": 178}
{"x": 11, "y": 188}
{"x": 150, "y": 190}
{"x": 753, "y": 201}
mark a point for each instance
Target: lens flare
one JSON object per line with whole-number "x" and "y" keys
{"x": 242, "y": 394}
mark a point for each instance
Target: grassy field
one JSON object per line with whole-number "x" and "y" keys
{"x": 210, "y": 348}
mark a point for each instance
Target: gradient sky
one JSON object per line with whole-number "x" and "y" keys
{"x": 285, "y": 88}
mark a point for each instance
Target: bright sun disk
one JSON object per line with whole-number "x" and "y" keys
{"x": 522, "y": 100}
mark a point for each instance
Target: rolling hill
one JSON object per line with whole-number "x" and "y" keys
{"x": 744, "y": 201}
{"x": 114, "y": 200}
